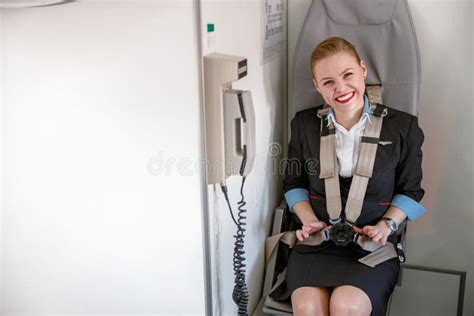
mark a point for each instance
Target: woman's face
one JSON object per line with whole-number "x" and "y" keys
{"x": 339, "y": 78}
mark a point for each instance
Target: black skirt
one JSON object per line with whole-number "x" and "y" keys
{"x": 328, "y": 265}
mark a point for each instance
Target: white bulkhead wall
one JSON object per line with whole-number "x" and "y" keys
{"x": 101, "y": 209}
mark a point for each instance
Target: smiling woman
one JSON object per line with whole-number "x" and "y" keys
{"x": 330, "y": 276}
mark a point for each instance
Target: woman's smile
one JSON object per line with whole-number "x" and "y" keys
{"x": 345, "y": 98}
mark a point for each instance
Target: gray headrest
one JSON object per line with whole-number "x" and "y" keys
{"x": 383, "y": 34}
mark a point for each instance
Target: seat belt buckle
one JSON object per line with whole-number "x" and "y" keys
{"x": 342, "y": 234}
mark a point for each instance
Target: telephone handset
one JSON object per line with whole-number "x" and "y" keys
{"x": 239, "y": 120}
{"x": 229, "y": 118}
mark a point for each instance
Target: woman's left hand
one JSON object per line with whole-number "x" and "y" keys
{"x": 378, "y": 233}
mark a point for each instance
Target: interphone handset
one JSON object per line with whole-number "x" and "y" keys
{"x": 230, "y": 118}
{"x": 239, "y": 120}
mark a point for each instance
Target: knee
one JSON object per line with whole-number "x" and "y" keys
{"x": 308, "y": 308}
{"x": 349, "y": 303}
{"x": 342, "y": 307}
{"x": 310, "y": 301}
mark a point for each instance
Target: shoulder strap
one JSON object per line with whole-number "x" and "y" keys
{"x": 328, "y": 161}
{"x": 365, "y": 166}
{"x": 329, "y": 170}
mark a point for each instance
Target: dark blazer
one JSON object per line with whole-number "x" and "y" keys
{"x": 397, "y": 168}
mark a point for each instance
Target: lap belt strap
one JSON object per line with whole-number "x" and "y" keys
{"x": 378, "y": 253}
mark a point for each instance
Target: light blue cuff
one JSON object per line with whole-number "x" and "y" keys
{"x": 412, "y": 208}
{"x": 294, "y": 196}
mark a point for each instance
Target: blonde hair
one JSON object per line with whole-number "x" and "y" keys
{"x": 329, "y": 47}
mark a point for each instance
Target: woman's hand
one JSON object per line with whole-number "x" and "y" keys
{"x": 310, "y": 229}
{"x": 378, "y": 233}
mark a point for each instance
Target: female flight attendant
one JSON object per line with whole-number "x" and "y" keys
{"x": 328, "y": 279}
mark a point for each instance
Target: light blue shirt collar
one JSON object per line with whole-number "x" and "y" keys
{"x": 366, "y": 112}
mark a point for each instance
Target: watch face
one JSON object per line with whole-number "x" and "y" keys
{"x": 391, "y": 224}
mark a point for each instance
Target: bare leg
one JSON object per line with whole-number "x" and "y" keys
{"x": 349, "y": 300}
{"x": 310, "y": 301}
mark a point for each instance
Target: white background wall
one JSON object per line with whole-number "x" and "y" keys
{"x": 96, "y": 97}
{"x": 238, "y": 32}
{"x": 443, "y": 238}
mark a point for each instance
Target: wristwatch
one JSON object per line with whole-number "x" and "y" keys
{"x": 391, "y": 224}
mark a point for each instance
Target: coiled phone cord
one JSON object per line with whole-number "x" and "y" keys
{"x": 240, "y": 295}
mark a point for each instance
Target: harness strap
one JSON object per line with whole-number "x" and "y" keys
{"x": 374, "y": 92}
{"x": 327, "y": 150}
{"x": 365, "y": 164}
{"x": 318, "y": 238}
{"x": 271, "y": 243}
{"x": 329, "y": 169}
{"x": 329, "y": 172}
{"x": 289, "y": 238}
{"x": 364, "y": 169}
{"x": 378, "y": 253}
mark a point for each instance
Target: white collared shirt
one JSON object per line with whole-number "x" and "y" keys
{"x": 348, "y": 141}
